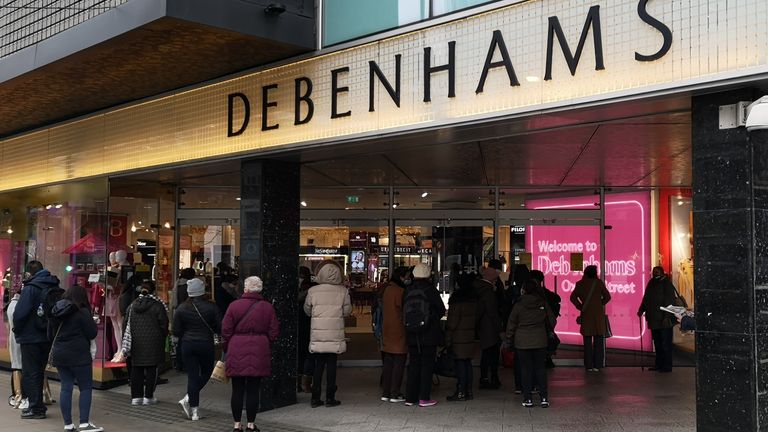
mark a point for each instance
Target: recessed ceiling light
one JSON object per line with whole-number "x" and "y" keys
{"x": 424, "y": 195}
{"x": 238, "y": 198}
{"x": 303, "y": 203}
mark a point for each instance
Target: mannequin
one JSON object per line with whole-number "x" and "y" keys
{"x": 118, "y": 263}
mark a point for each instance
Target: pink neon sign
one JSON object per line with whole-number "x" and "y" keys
{"x": 627, "y": 262}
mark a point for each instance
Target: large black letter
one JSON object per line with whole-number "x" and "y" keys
{"x": 303, "y": 98}
{"x": 394, "y": 93}
{"x": 497, "y": 41}
{"x": 593, "y": 20}
{"x": 231, "y": 113}
{"x": 429, "y": 70}
{"x": 658, "y": 25}
{"x": 265, "y": 105}
{"x": 335, "y": 90}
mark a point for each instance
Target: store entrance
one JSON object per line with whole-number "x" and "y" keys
{"x": 209, "y": 242}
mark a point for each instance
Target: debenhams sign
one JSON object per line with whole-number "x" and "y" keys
{"x": 513, "y": 60}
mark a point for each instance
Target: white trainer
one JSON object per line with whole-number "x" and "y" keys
{"x": 184, "y": 402}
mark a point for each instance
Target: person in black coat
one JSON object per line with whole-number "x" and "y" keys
{"x": 71, "y": 330}
{"x": 195, "y": 323}
{"x": 660, "y": 292}
{"x": 423, "y": 343}
{"x": 144, "y": 340}
{"x": 553, "y": 301}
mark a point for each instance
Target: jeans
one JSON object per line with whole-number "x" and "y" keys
{"x": 594, "y": 352}
{"x": 143, "y": 381}
{"x": 662, "y": 341}
{"x": 198, "y": 361}
{"x": 321, "y": 361}
{"x": 245, "y": 388}
{"x": 84, "y": 376}
{"x": 489, "y": 363}
{"x": 34, "y": 357}
{"x": 421, "y": 364}
{"x": 464, "y": 375}
{"x": 392, "y": 374}
{"x": 532, "y": 368}
{"x": 518, "y": 372}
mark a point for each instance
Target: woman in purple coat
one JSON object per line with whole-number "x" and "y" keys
{"x": 248, "y": 329}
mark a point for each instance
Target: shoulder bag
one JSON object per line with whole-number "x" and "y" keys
{"x": 579, "y": 319}
{"x": 216, "y": 337}
{"x": 50, "y": 353}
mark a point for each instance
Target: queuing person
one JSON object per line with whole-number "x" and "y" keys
{"x": 393, "y": 342}
{"x": 659, "y": 293}
{"x": 460, "y": 332}
{"x": 30, "y": 324}
{"x": 225, "y": 292}
{"x": 489, "y": 327}
{"x": 71, "y": 330}
{"x": 144, "y": 341}
{"x": 422, "y": 310}
{"x": 327, "y": 304}
{"x": 527, "y": 330}
{"x": 196, "y": 323}
{"x": 306, "y": 364}
{"x": 553, "y": 301}
{"x": 503, "y": 299}
{"x": 249, "y": 328}
{"x": 590, "y": 297}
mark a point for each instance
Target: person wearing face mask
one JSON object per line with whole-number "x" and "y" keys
{"x": 659, "y": 293}
{"x": 393, "y": 340}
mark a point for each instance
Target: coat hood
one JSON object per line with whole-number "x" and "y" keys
{"x": 531, "y": 301}
{"x": 142, "y": 304}
{"x": 43, "y": 279}
{"x": 329, "y": 274}
{"x": 63, "y": 308}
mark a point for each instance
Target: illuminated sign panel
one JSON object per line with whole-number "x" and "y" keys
{"x": 627, "y": 269}
{"x": 510, "y": 61}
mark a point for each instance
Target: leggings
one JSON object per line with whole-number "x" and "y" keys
{"x": 245, "y": 388}
{"x": 84, "y": 377}
{"x": 143, "y": 381}
{"x": 198, "y": 359}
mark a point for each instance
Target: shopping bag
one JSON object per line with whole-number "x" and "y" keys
{"x": 220, "y": 372}
{"x": 508, "y": 357}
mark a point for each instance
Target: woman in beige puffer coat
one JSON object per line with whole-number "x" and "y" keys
{"x": 327, "y": 304}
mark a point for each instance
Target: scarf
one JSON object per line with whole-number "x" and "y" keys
{"x": 127, "y": 338}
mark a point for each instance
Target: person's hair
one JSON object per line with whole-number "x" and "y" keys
{"x": 253, "y": 284}
{"x": 533, "y": 288}
{"x": 305, "y": 273}
{"x": 78, "y": 296}
{"x": 520, "y": 275}
{"x": 34, "y": 266}
{"x": 537, "y": 275}
{"x": 659, "y": 268}
{"x": 147, "y": 286}
{"x": 188, "y": 273}
{"x": 495, "y": 264}
{"x": 590, "y": 272}
{"x": 398, "y": 274}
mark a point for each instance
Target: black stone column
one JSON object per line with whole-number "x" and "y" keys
{"x": 269, "y": 248}
{"x": 730, "y": 204}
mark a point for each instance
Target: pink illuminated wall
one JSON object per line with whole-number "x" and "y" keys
{"x": 627, "y": 246}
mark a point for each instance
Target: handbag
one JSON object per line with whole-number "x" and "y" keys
{"x": 679, "y": 300}
{"x": 445, "y": 363}
{"x": 220, "y": 372}
{"x": 579, "y": 319}
{"x": 49, "y": 364}
{"x": 608, "y": 331}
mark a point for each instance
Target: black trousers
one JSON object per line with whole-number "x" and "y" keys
{"x": 323, "y": 361}
{"x": 198, "y": 359}
{"x": 594, "y": 352}
{"x": 489, "y": 363}
{"x": 421, "y": 365}
{"x": 34, "y": 357}
{"x": 464, "y": 375}
{"x": 533, "y": 369}
{"x": 143, "y": 381}
{"x": 662, "y": 341}
{"x": 245, "y": 388}
{"x": 392, "y": 374}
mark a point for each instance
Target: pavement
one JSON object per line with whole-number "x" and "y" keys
{"x": 615, "y": 399}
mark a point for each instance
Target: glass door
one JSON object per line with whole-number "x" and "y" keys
{"x": 212, "y": 248}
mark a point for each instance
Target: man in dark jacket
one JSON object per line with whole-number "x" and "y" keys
{"x": 658, "y": 293}
{"x": 422, "y": 342}
{"x": 554, "y": 301}
{"x": 30, "y": 327}
{"x": 489, "y": 328}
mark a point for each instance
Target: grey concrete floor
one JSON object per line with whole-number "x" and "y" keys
{"x": 616, "y": 399}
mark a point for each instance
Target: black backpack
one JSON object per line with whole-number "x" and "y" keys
{"x": 48, "y": 298}
{"x": 416, "y": 310}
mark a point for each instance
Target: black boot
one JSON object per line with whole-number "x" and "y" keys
{"x": 458, "y": 396}
{"x": 316, "y": 402}
{"x": 330, "y": 397}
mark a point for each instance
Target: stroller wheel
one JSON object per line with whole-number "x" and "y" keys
{"x": 11, "y": 400}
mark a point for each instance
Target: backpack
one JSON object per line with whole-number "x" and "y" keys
{"x": 554, "y": 302}
{"x": 49, "y": 296}
{"x": 377, "y": 320}
{"x": 416, "y": 310}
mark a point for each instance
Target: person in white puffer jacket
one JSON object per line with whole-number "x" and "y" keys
{"x": 327, "y": 304}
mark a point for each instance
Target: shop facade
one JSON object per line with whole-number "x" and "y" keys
{"x": 543, "y": 133}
